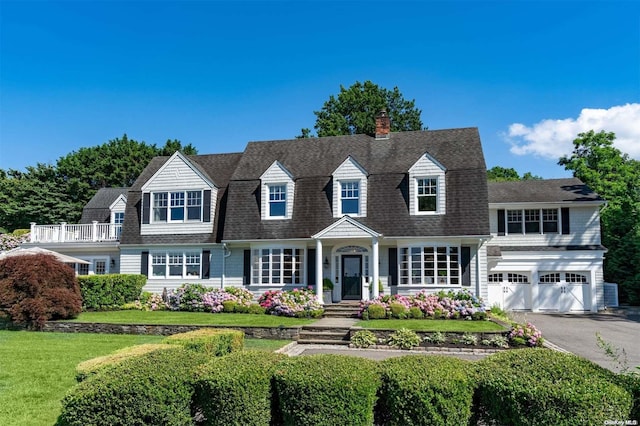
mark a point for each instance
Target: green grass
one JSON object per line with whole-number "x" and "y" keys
{"x": 190, "y": 318}
{"x": 37, "y": 369}
{"x": 451, "y": 326}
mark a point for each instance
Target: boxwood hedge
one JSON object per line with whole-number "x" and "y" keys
{"x": 111, "y": 290}
{"x": 237, "y": 389}
{"x": 151, "y": 389}
{"x": 326, "y": 390}
{"x": 212, "y": 341}
{"x": 544, "y": 387}
{"x": 425, "y": 390}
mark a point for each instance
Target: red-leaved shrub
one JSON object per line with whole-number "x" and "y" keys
{"x": 37, "y": 288}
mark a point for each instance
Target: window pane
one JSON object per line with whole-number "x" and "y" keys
{"x": 550, "y": 221}
{"x": 192, "y": 261}
{"x": 100, "y": 267}
{"x": 349, "y": 206}
{"x": 194, "y": 205}
{"x": 277, "y": 208}
{"x": 532, "y": 221}
{"x": 427, "y": 191}
{"x": 277, "y": 200}
{"x": 118, "y": 218}
{"x": 350, "y": 197}
{"x": 177, "y": 206}
{"x": 514, "y": 221}
{"x": 160, "y": 207}
{"x": 426, "y": 203}
{"x": 175, "y": 264}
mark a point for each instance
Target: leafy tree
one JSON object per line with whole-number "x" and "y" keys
{"x": 502, "y": 174}
{"x": 354, "y": 109}
{"x": 616, "y": 177}
{"x": 51, "y": 194}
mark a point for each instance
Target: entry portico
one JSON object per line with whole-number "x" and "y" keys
{"x": 353, "y": 261}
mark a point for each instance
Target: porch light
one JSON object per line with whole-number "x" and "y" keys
{"x": 326, "y": 262}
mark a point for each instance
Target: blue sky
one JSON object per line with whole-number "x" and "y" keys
{"x": 529, "y": 75}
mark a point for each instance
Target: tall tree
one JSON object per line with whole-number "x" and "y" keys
{"x": 50, "y": 194}
{"x": 502, "y": 174}
{"x": 616, "y": 177}
{"x": 354, "y": 109}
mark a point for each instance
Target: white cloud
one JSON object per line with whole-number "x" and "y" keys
{"x": 554, "y": 138}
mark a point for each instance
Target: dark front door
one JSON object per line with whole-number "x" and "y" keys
{"x": 352, "y": 277}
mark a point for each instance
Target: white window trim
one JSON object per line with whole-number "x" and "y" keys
{"x": 436, "y": 283}
{"x": 563, "y": 277}
{"x": 541, "y": 221}
{"x": 268, "y": 186}
{"x": 185, "y": 206}
{"x": 416, "y": 196}
{"x": 256, "y": 266}
{"x": 359, "y": 198}
{"x": 166, "y": 275}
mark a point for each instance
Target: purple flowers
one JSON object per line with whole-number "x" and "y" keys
{"x": 198, "y": 298}
{"x": 299, "y": 302}
{"x": 526, "y": 334}
{"x": 442, "y": 305}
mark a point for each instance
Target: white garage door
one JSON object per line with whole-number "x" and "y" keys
{"x": 563, "y": 292}
{"x": 511, "y": 291}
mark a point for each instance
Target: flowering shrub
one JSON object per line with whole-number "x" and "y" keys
{"x": 198, "y": 298}
{"x": 11, "y": 241}
{"x": 526, "y": 335}
{"x": 187, "y": 297}
{"x": 442, "y": 305}
{"x": 295, "y": 303}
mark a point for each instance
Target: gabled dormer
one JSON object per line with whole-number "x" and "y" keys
{"x": 350, "y": 189}
{"x": 277, "y": 189}
{"x": 427, "y": 187}
{"x": 178, "y": 199}
{"x": 117, "y": 209}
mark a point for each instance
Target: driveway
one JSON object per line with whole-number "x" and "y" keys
{"x": 577, "y": 333}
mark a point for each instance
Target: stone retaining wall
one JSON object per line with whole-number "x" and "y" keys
{"x": 287, "y": 333}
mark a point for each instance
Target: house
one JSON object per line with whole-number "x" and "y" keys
{"x": 395, "y": 212}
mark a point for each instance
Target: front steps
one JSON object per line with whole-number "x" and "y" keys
{"x": 341, "y": 310}
{"x": 323, "y": 336}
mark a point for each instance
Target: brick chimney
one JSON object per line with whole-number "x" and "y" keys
{"x": 383, "y": 125}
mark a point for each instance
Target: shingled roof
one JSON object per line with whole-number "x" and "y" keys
{"x": 387, "y": 162}
{"x": 217, "y": 167}
{"x": 98, "y": 206}
{"x": 541, "y": 191}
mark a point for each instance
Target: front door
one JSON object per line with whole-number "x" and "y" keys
{"x": 352, "y": 277}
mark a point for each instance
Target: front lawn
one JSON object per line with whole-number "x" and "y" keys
{"x": 449, "y": 326}
{"x": 37, "y": 369}
{"x": 190, "y": 318}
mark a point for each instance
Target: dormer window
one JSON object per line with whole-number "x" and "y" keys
{"x": 118, "y": 218}
{"x": 350, "y": 197}
{"x": 427, "y": 191}
{"x": 277, "y": 200}
{"x": 278, "y": 189}
{"x": 427, "y": 194}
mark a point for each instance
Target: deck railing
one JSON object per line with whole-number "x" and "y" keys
{"x": 74, "y": 233}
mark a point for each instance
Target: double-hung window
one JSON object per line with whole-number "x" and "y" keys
{"x": 350, "y": 197}
{"x": 532, "y": 221}
{"x": 277, "y": 200}
{"x": 175, "y": 265}
{"x": 430, "y": 265}
{"x": 427, "y": 194}
{"x": 177, "y": 206}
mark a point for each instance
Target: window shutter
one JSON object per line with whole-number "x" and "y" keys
{"x": 206, "y": 206}
{"x": 393, "y": 265}
{"x": 501, "y": 222}
{"x": 206, "y": 254}
{"x": 247, "y": 268}
{"x": 311, "y": 267}
{"x": 146, "y": 201}
{"x": 144, "y": 263}
{"x": 465, "y": 263}
{"x": 565, "y": 220}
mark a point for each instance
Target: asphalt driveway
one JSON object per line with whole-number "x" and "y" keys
{"x": 576, "y": 333}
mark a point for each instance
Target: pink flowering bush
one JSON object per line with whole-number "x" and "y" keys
{"x": 526, "y": 334}
{"x": 11, "y": 241}
{"x": 198, "y": 298}
{"x": 299, "y": 302}
{"x": 442, "y": 305}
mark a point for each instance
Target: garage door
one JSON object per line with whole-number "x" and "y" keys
{"x": 512, "y": 291}
{"x": 563, "y": 292}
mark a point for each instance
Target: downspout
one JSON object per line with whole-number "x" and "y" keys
{"x": 225, "y": 253}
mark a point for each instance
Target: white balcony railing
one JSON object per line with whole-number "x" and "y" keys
{"x": 74, "y": 233}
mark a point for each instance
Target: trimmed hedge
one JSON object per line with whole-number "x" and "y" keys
{"x": 92, "y": 366}
{"x": 236, "y": 389}
{"x": 540, "y": 386}
{"x": 212, "y": 341}
{"x": 155, "y": 388}
{"x": 425, "y": 390}
{"x": 111, "y": 290}
{"x": 326, "y": 390}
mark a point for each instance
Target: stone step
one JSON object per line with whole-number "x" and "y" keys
{"x": 322, "y": 342}
{"x": 324, "y": 335}
{"x": 340, "y": 314}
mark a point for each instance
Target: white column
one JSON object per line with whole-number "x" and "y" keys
{"x": 63, "y": 230}
{"x": 94, "y": 231}
{"x": 32, "y": 234}
{"x": 376, "y": 269}
{"x": 319, "y": 271}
